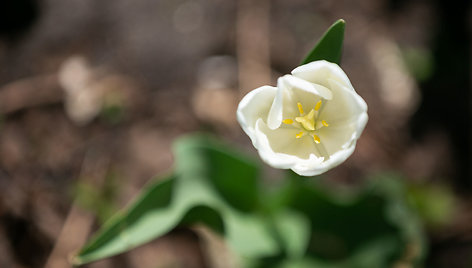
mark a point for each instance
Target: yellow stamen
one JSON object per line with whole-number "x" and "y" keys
{"x": 287, "y": 121}
{"x": 316, "y": 139}
{"x": 318, "y": 105}
{"x": 300, "y": 108}
{"x": 324, "y": 123}
{"x": 299, "y": 135}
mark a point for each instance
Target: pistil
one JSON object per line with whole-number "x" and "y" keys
{"x": 308, "y": 122}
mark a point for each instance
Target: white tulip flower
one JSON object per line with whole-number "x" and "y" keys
{"x": 309, "y": 123}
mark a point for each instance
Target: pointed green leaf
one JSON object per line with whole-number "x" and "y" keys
{"x": 213, "y": 186}
{"x": 135, "y": 225}
{"x": 329, "y": 47}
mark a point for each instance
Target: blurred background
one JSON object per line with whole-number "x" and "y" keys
{"x": 93, "y": 93}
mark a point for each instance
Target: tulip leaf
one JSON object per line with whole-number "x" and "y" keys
{"x": 368, "y": 227}
{"x": 135, "y": 225}
{"x": 302, "y": 224}
{"x": 233, "y": 175}
{"x": 330, "y": 45}
{"x": 376, "y": 254}
{"x": 212, "y": 185}
{"x": 294, "y": 231}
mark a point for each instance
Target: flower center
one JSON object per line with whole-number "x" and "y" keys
{"x": 309, "y": 123}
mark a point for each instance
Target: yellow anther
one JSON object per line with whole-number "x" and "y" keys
{"x": 287, "y": 121}
{"x": 299, "y": 135}
{"x": 318, "y": 105}
{"x": 316, "y": 139}
{"x": 324, "y": 123}
{"x": 300, "y": 108}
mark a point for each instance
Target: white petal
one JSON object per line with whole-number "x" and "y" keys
{"x": 319, "y": 71}
{"x": 291, "y": 90}
{"x": 276, "y": 110}
{"x": 347, "y": 117}
{"x": 337, "y": 138}
{"x": 283, "y": 140}
{"x": 292, "y": 82}
{"x": 279, "y": 148}
{"x": 346, "y": 105}
{"x": 361, "y": 123}
{"x": 256, "y": 104}
{"x": 272, "y": 158}
{"x": 313, "y": 168}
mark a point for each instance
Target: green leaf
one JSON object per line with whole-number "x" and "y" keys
{"x": 234, "y": 176}
{"x": 294, "y": 231}
{"x": 369, "y": 227}
{"x": 212, "y": 185}
{"x": 435, "y": 204}
{"x": 330, "y": 45}
{"x": 135, "y": 225}
{"x": 232, "y": 179}
{"x": 302, "y": 224}
{"x": 372, "y": 255}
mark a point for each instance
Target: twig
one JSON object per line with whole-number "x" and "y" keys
{"x": 29, "y": 92}
{"x": 78, "y": 224}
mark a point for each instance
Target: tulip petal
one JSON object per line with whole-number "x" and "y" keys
{"x": 301, "y": 86}
{"x": 276, "y": 110}
{"x": 313, "y": 167}
{"x": 279, "y": 148}
{"x": 337, "y": 138}
{"x": 346, "y": 104}
{"x": 347, "y": 114}
{"x": 361, "y": 123}
{"x": 319, "y": 71}
{"x": 256, "y": 104}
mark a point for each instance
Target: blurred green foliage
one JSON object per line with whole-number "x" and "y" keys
{"x": 301, "y": 223}
{"x": 113, "y": 109}
{"x": 435, "y": 204}
{"x": 98, "y": 200}
{"x": 419, "y": 63}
